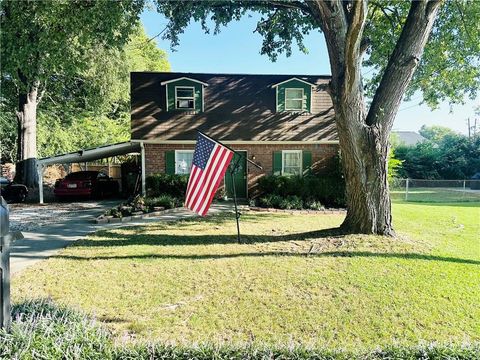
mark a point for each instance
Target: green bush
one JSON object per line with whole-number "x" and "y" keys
{"x": 291, "y": 202}
{"x": 173, "y": 185}
{"x": 270, "y": 200}
{"x": 165, "y": 200}
{"x": 207, "y": 352}
{"x": 314, "y": 205}
{"x": 281, "y": 191}
{"x": 42, "y": 330}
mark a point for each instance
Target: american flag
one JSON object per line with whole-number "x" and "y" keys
{"x": 210, "y": 161}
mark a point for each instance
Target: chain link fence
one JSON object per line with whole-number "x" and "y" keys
{"x": 417, "y": 190}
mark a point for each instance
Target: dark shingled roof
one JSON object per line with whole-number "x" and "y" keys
{"x": 237, "y": 107}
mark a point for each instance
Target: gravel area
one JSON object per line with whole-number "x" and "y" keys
{"x": 27, "y": 217}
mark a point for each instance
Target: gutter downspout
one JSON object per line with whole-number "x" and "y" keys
{"x": 144, "y": 190}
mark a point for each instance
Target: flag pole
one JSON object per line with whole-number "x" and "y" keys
{"x": 237, "y": 213}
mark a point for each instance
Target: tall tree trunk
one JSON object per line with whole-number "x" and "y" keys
{"x": 364, "y": 158}
{"x": 364, "y": 136}
{"x": 26, "y": 169}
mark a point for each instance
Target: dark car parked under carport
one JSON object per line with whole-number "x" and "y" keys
{"x": 86, "y": 184}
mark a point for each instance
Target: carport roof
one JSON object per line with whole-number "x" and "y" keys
{"x": 97, "y": 153}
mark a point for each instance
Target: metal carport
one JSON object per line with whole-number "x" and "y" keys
{"x": 86, "y": 155}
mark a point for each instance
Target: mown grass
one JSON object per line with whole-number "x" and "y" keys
{"x": 436, "y": 195}
{"x": 43, "y": 330}
{"x": 295, "y": 281}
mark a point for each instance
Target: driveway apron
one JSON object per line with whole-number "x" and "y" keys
{"x": 44, "y": 238}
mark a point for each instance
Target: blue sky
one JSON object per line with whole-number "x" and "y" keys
{"x": 237, "y": 50}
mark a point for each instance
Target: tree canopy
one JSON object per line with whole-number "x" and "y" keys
{"x": 92, "y": 108}
{"x": 449, "y": 69}
{"x": 445, "y": 155}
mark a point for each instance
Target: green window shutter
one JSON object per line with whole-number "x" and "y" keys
{"x": 170, "y": 162}
{"x": 277, "y": 163}
{"x": 307, "y": 162}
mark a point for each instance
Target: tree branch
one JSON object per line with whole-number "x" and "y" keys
{"x": 402, "y": 64}
{"x": 353, "y": 44}
{"x": 332, "y": 19}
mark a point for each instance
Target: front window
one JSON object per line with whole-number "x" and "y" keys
{"x": 183, "y": 161}
{"x": 184, "y": 97}
{"x": 294, "y": 99}
{"x": 291, "y": 162}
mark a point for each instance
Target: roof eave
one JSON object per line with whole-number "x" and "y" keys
{"x": 183, "y": 78}
{"x": 293, "y": 78}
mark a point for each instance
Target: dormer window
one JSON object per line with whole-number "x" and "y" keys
{"x": 184, "y": 94}
{"x": 293, "y": 99}
{"x": 294, "y": 95}
{"x": 184, "y": 97}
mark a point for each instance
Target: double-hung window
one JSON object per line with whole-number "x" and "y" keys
{"x": 291, "y": 162}
{"x": 293, "y": 99}
{"x": 185, "y": 97}
{"x": 183, "y": 161}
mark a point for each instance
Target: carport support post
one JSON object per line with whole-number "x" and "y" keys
{"x": 144, "y": 190}
{"x": 40, "y": 182}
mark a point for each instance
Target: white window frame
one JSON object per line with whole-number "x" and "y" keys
{"x": 184, "y": 98}
{"x": 177, "y": 152}
{"x": 284, "y": 152}
{"x": 302, "y": 98}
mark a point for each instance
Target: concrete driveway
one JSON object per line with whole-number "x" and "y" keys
{"x": 49, "y": 228}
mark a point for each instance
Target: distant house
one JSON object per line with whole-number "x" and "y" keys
{"x": 283, "y": 122}
{"x": 408, "y": 138}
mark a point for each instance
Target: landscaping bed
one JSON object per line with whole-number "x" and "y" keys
{"x": 43, "y": 330}
{"x": 140, "y": 208}
{"x": 311, "y": 192}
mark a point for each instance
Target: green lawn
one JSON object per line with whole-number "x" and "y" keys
{"x": 293, "y": 282}
{"x": 435, "y": 195}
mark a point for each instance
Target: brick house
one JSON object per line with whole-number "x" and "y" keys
{"x": 283, "y": 122}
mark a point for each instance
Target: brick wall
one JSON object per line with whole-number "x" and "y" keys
{"x": 322, "y": 155}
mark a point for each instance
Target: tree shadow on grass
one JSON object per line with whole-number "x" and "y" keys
{"x": 350, "y": 254}
{"x": 114, "y": 240}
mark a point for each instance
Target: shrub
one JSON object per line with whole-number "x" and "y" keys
{"x": 42, "y": 330}
{"x": 173, "y": 185}
{"x": 291, "y": 202}
{"x": 270, "y": 200}
{"x": 250, "y": 352}
{"x": 314, "y": 205}
{"x": 165, "y": 200}
{"x": 313, "y": 189}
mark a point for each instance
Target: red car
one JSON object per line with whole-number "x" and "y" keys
{"x": 86, "y": 184}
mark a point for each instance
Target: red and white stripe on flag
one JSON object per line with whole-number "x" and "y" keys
{"x": 210, "y": 161}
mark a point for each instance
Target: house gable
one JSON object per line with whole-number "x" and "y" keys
{"x": 176, "y": 88}
{"x": 285, "y": 91}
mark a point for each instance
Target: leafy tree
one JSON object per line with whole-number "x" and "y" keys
{"x": 143, "y": 54}
{"x": 420, "y": 161}
{"x": 393, "y": 35}
{"x": 8, "y": 130}
{"x": 451, "y": 157}
{"x": 436, "y": 132}
{"x": 89, "y": 124}
{"x": 45, "y": 46}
